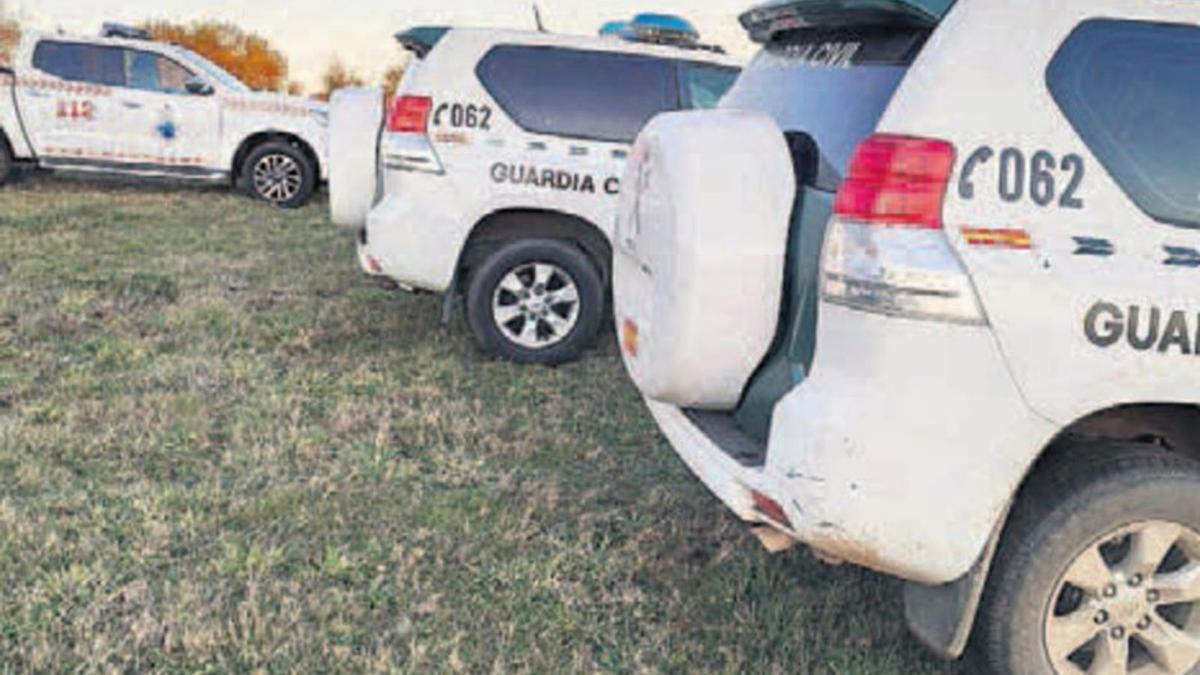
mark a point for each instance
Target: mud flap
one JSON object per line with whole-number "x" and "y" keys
{"x": 942, "y": 617}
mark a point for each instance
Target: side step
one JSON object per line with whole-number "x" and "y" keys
{"x": 195, "y": 173}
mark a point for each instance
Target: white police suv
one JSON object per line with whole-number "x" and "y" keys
{"x": 499, "y": 164}
{"x": 123, "y": 104}
{"x": 941, "y": 320}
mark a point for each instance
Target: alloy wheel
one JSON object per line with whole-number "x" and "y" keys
{"x": 1128, "y": 604}
{"x": 536, "y": 305}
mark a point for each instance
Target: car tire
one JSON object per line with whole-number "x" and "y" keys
{"x": 536, "y": 301}
{"x": 7, "y": 163}
{"x": 279, "y": 173}
{"x": 1086, "y": 568}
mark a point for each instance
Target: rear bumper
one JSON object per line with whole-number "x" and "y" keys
{"x": 369, "y": 264}
{"x": 412, "y": 236}
{"x": 899, "y": 453}
{"x": 729, "y": 480}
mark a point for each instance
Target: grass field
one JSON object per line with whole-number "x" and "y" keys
{"x": 222, "y": 450}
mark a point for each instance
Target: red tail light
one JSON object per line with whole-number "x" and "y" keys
{"x": 410, "y": 115}
{"x": 770, "y": 508}
{"x": 897, "y": 181}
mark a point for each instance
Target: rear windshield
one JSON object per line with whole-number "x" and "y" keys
{"x": 829, "y": 85}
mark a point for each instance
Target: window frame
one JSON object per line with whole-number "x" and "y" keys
{"x": 671, "y": 93}
{"x": 161, "y": 55}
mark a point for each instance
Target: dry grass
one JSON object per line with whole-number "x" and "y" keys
{"x": 220, "y": 449}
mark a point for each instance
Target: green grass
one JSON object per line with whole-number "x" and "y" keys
{"x": 221, "y": 449}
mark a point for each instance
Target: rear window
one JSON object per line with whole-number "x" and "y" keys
{"x": 580, "y": 94}
{"x": 831, "y": 86}
{"x": 704, "y": 85}
{"x": 1131, "y": 91}
{"x": 81, "y": 63}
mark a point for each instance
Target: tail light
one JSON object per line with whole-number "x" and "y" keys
{"x": 897, "y": 181}
{"x": 410, "y": 115}
{"x": 406, "y": 146}
{"x": 886, "y": 251}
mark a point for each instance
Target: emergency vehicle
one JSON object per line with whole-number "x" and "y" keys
{"x": 498, "y": 166}
{"x": 942, "y": 320}
{"x": 124, "y": 104}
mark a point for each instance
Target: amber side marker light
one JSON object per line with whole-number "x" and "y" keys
{"x": 629, "y": 337}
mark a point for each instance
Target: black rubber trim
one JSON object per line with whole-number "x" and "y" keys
{"x": 723, "y": 431}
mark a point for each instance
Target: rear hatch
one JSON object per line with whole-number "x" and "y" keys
{"x": 827, "y": 71}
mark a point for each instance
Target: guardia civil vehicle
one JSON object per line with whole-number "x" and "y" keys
{"x": 127, "y": 105}
{"x": 943, "y": 320}
{"x": 496, "y": 173}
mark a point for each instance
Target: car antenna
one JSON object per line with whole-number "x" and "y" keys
{"x": 537, "y": 17}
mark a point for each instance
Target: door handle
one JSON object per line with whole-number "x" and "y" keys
{"x": 132, "y": 105}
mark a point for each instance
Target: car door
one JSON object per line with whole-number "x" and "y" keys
{"x": 166, "y": 128}
{"x": 576, "y": 113}
{"x": 66, "y": 101}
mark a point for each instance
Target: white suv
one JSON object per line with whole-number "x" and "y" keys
{"x": 124, "y": 104}
{"x": 500, "y": 164}
{"x": 941, "y": 321}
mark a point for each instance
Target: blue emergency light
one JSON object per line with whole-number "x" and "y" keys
{"x": 616, "y": 29}
{"x": 120, "y": 30}
{"x": 660, "y": 29}
{"x": 664, "y": 27}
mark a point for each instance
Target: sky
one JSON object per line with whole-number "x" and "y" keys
{"x": 312, "y": 33}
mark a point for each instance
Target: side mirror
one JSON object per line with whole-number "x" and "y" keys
{"x": 198, "y": 87}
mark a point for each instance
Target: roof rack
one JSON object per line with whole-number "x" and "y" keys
{"x": 124, "y": 32}
{"x": 659, "y": 29}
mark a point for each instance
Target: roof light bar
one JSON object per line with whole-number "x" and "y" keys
{"x": 124, "y": 32}
{"x": 659, "y": 29}
{"x": 616, "y": 29}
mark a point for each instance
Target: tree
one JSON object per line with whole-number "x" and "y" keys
{"x": 338, "y": 76}
{"x": 391, "y": 81}
{"x": 248, "y": 56}
{"x": 10, "y": 35}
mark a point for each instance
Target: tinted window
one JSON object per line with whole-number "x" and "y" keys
{"x": 153, "y": 72}
{"x": 581, "y": 94}
{"x": 704, "y": 85}
{"x": 81, "y": 63}
{"x": 1131, "y": 90}
{"x": 830, "y": 86}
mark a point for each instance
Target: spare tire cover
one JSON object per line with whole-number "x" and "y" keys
{"x": 355, "y": 123}
{"x": 701, "y": 241}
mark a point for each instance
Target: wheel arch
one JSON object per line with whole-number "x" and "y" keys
{"x": 943, "y": 617}
{"x": 258, "y": 138}
{"x": 509, "y": 224}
